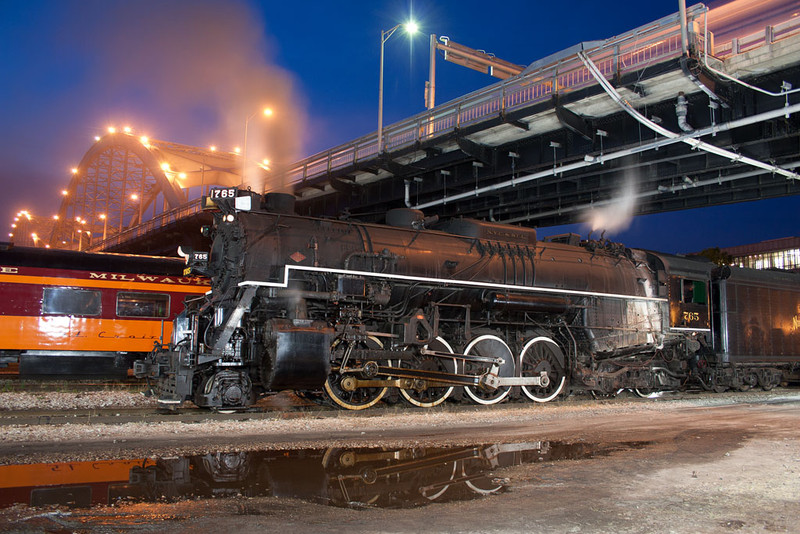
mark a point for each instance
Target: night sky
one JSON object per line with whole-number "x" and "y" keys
{"x": 192, "y": 71}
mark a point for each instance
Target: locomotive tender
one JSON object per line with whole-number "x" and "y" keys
{"x": 353, "y": 313}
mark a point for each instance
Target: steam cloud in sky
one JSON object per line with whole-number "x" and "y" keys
{"x": 206, "y": 65}
{"x": 617, "y": 214}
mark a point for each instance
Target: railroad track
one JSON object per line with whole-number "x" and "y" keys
{"x": 288, "y": 405}
{"x": 15, "y": 383}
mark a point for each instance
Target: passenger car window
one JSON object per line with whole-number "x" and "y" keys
{"x": 142, "y": 305}
{"x": 69, "y": 301}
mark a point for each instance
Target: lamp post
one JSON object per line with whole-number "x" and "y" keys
{"x": 267, "y": 113}
{"x": 80, "y": 233}
{"x": 410, "y": 27}
{"x": 104, "y": 218}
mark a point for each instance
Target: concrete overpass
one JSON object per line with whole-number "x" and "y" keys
{"x": 546, "y": 146}
{"x": 665, "y": 117}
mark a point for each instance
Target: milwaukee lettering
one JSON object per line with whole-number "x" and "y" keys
{"x": 111, "y": 335}
{"x": 185, "y": 281}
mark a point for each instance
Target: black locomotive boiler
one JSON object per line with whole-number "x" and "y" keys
{"x": 423, "y": 310}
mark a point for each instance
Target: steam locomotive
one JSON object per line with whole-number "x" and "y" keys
{"x": 351, "y": 313}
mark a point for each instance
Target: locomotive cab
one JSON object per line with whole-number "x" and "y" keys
{"x": 688, "y": 303}
{"x": 688, "y": 289}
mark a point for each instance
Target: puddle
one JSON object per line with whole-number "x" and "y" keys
{"x": 354, "y": 478}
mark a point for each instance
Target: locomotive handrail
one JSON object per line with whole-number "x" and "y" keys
{"x": 283, "y": 282}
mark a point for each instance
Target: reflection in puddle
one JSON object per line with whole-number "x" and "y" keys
{"x": 378, "y": 477}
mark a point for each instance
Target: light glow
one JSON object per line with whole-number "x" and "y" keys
{"x": 96, "y": 137}
{"x": 411, "y": 26}
{"x": 237, "y": 150}
{"x": 144, "y": 140}
{"x": 112, "y": 130}
{"x": 165, "y": 166}
{"x": 64, "y": 192}
{"x": 127, "y": 129}
{"x": 74, "y": 170}
{"x": 213, "y": 148}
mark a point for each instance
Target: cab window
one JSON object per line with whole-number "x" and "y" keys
{"x": 69, "y": 301}
{"x": 693, "y": 291}
{"x": 142, "y": 305}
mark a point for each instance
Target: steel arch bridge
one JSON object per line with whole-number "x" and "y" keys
{"x": 124, "y": 180}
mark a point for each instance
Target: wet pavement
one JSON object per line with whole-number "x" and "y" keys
{"x": 352, "y": 478}
{"x": 707, "y": 463}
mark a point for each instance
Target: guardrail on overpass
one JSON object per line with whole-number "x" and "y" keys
{"x": 149, "y": 227}
{"x": 631, "y": 51}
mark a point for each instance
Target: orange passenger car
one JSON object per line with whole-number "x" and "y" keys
{"x": 66, "y": 313}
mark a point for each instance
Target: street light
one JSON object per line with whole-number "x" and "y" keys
{"x": 411, "y": 28}
{"x": 136, "y": 198}
{"x": 267, "y": 113}
{"x": 80, "y": 239}
{"x": 105, "y": 224}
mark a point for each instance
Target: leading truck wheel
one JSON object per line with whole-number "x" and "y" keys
{"x": 542, "y": 354}
{"x": 488, "y": 345}
{"x": 339, "y": 385}
{"x": 226, "y": 389}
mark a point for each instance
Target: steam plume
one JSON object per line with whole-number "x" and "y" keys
{"x": 617, "y": 214}
{"x": 207, "y": 66}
